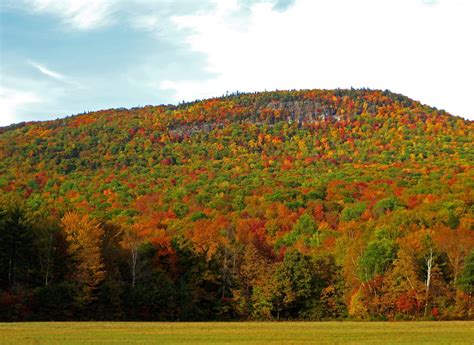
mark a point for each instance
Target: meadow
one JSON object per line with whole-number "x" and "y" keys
{"x": 455, "y": 332}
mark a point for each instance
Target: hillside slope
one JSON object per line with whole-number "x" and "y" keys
{"x": 313, "y": 204}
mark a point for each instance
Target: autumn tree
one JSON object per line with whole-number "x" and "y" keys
{"x": 84, "y": 236}
{"x": 404, "y": 290}
{"x": 254, "y": 295}
{"x": 456, "y": 243}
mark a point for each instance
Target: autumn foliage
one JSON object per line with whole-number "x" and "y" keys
{"x": 311, "y": 204}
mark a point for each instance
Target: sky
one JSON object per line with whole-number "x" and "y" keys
{"x": 64, "y": 57}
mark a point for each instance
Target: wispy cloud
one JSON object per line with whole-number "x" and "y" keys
{"x": 46, "y": 71}
{"x": 55, "y": 75}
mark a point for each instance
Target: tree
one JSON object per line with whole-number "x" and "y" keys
{"x": 403, "y": 289}
{"x": 456, "y": 244}
{"x": 384, "y": 205}
{"x": 376, "y": 259}
{"x": 52, "y": 252}
{"x": 305, "y": 227}
{"x": 466, "y": 281}
{"x": 295, "y": 284}
{"x": 353, "y": 212}
{"x": 255, "y": 294}
{"x": 17, "y": 247}
{"x": 428, "y": 260}
{"x": 132, "y": 242}
{"x": 84, "y": 237}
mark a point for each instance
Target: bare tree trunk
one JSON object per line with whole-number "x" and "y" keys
{"x": 469, "y": 302}
{"x": 134, "y": 264}
{"x": 9, "y": 271}
{"x": 233, "y": 262}
{"x": 429, "y": 265}
{"x": 48, "y": 260}
{"x": 224, "y": 269}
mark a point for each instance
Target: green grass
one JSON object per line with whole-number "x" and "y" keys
{"x": 461, "y": 332}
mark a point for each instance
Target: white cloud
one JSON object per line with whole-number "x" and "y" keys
{"x": 12, "y": 102}
{"x": 145, "y": 22}
{"x": 79, "y": 14}
{"x": 143, "y": 15}
{"x": 404, "y": 45}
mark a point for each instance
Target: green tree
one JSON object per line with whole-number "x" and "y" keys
{"x": 304, "y": 226}
{"x": 295, "y": 283}
{"x": 466, "y": 279}
{"x": 18, "y": 252}
{"x": 376, "y": 259}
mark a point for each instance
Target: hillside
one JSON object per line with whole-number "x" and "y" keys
{"x": 313, "y": 204}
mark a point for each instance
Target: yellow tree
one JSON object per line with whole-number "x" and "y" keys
{"x": 84, "y": 236}
{"x": 256, "y": 273}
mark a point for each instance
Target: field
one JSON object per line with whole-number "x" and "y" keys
{"x": 238, "y": 333}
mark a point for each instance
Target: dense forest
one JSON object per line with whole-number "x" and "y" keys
{"x": 311, "y": 205}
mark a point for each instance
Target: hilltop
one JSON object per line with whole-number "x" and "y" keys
{"x": 311, "y": 204}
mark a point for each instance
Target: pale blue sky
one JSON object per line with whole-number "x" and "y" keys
{"x": 63, "y": 57}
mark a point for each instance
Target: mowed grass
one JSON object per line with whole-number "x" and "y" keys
{"x": 461, "y": 332}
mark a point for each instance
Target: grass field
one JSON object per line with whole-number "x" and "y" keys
{"x": 238, "y": 333}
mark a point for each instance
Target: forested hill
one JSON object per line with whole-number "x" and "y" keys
{"x": 313, "y": 204}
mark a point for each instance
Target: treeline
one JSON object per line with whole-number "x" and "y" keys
{"x": 79, "y": 268}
